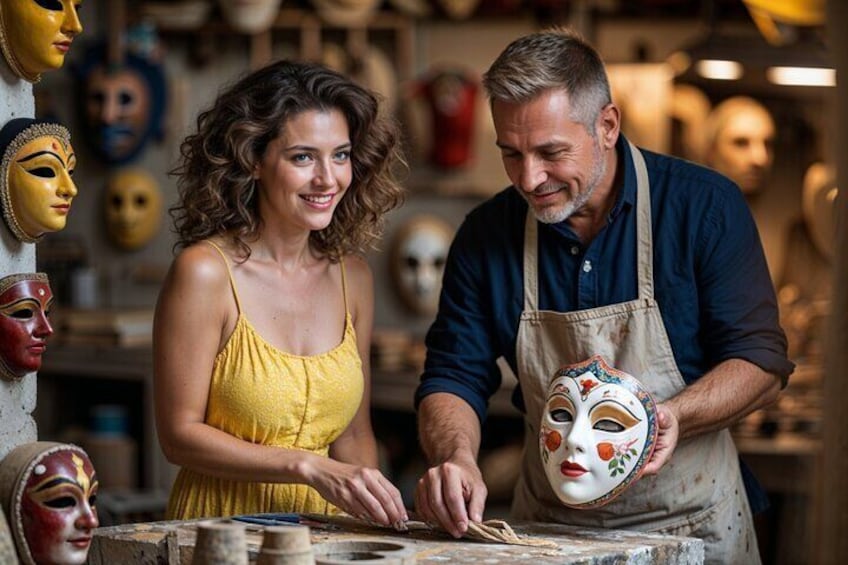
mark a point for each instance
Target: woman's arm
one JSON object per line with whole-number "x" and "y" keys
{"x": 357, "y": 445}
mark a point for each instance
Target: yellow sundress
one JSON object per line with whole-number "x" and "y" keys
{"x": 267, "y": 396}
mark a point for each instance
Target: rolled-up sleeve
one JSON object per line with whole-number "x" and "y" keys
{"x": 737, "y": 297}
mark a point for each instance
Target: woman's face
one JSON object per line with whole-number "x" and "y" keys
{"x": 39, "y": 32}
{"x": 58, "y": 508}
{"x": 305, "y": 172}
{"x": 592, "y": 435}
{"x": 40, "y": 185}
{"x": 24, "y": 327}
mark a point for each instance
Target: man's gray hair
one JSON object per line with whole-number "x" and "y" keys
{"x": 555, "y": 58}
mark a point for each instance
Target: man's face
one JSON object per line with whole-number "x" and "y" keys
{"x": 40, "y": 185}
{"x": 58, "y": 508}
{"x": 553, "y": 161}
{"x": 24, "y": 327}
{"x": 39, "y": 32}
{"x": 744, "y": 148}
{"x": 592, "y": 436}
{"x": 133, "y": 208}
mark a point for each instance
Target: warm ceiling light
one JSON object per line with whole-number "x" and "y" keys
{"x": 801, "y": 76}
{"x": 718, "y": 69}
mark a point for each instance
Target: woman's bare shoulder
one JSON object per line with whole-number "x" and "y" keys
{"x": 202, "y": 265}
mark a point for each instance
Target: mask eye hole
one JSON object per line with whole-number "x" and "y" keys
{"x": 411, "y": 262}
{"x": 92, "y": 500}
{"x": 561, "y": 415}
{"x": 607, "y": 425}
{"x": 141, "y": 201}
{"x": 117, "y": 201}
{"x": 61, "y": 502}
{"x": 23, "y": 314}
{"x": 43, "y": 172}
{"x": 52, "y": 5}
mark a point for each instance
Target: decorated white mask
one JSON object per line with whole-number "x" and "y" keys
{"x": 250, "y": 16}
{"x": 133, "y": 208}
{"x": 418, "y": 257}
{"x": 598, "y": 430}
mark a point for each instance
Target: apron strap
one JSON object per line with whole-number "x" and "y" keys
{"x": 644, "y": 244}
{"x": 531, "y": 281}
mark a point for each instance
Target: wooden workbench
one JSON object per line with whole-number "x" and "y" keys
{"x": 172, "y": 543}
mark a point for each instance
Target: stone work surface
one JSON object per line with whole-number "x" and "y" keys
{"x": 172, "y": 543}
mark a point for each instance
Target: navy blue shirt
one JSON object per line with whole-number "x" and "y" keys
{"x": 711, "y": 280}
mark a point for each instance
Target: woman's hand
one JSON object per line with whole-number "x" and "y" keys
{"x": 360, "y": 491}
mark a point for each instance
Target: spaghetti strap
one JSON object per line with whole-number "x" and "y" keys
{"x": 344, "y": 287}
{"x": 230, "y": 274}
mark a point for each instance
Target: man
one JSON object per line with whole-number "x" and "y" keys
{"x": 740, "y": 142}
{"x": 561, "y": 266}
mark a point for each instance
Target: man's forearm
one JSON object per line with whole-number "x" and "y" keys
{"x": 729, "y": 392}
{"x": 448, "y": 428}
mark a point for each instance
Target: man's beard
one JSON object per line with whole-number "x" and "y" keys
{"x": 556, "y": 214}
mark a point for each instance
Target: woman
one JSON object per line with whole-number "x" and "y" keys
{"x": 262, "y": 329}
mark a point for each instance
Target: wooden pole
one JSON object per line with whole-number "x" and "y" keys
{"x": 833, "y": 514}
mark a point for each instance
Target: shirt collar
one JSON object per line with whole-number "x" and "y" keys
{"x": 626, "y": 198}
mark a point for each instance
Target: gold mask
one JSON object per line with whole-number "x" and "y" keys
{"x": 37, "y": 189}
{"x": 35, "y": 35}
{"x": 133, "y": 208}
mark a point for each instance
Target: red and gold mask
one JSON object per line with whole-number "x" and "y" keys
{"x": 51, "y": 502}
{"x": 35, "y": 35}
{"x": 25, "y": 302}
{"x": 37, "y": 188}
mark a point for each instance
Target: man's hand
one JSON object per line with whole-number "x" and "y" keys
{"x": 452, "y": 493}
{"x": 668, "y": 432}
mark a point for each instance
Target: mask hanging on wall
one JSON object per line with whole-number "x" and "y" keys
{"x": 133, "y": 208}
{"x": 48, "y": 493}
{"x": 418, "y": 255}
{"x": 122, "y": 105}
{"x": 740, "y": 142}
{"x": 35, "y": 35}
{"x": 25, "y": 302}
{"x": 598, "y": 429}
{"x": 250, "y": 16}
{"x": 36, "y": 169}
{"x": 451, "y": 96}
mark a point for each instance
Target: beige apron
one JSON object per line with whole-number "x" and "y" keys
{"x": 699, "y": 492}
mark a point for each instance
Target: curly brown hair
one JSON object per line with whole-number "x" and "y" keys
{"x": 215, "y": 172}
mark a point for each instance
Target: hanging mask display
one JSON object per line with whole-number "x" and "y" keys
{"x": 25, "y": 302}
{"x": 36, "y": 169}
{"x": 452, "y": 98}
{"x": 598, "y": 429}
{"x": 418, "y": 256}
{"x": 48, "y": 492}
{"x": 133, "y": 208}
{"x": 35, "y": 35}
{"x": 250, "y": 16}
{"x": 740, "y": 136}
{"x": 122, "y": 105}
